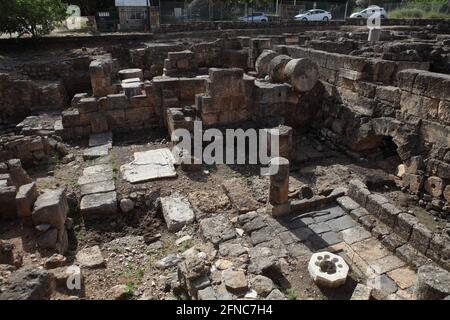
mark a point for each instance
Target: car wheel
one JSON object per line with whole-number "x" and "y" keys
{"x": 326, "y": 19}
{"x": 264, "y": 20}
{"x": 304, "y": 19}
{"x": 359, "y": 17}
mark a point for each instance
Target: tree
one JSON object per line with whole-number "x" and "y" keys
{"x": 91, "y": 7}
{"x": 34, "y": 17}
{"x": 8, "y": 23}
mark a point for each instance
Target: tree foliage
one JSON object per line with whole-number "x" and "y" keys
{"x": 34, "y": 17}
{"x": 91, "y": 7}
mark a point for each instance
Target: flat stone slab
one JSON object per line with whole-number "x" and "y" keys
{"x": 96, "y": 178}
{"x": 98, "y": 187}
{"x": 100, "y": 168}
{"x": 96, "y": 152}
{"x": 99, "y": 203}
{"x": 341, "y": 223}
{"x": 382, "y": 285}
{"x": 150, "y": 165}
{"x": 403, "y": 277}
{"x": 100, "y": 139}
{"x": 90, "y": 257}
{"x": 370, "y": 249}
{"x": 217, "y": 229}
{"x": 355, "y": 234}
{"x": 386, "y": 264}
{"x": 177, "y": 212}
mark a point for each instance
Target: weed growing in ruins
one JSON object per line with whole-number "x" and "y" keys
{"x": 132, "y": 279}
{"x": 291, "y": 294}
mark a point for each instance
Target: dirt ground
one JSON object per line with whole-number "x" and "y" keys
{"x": 133, "y": 242}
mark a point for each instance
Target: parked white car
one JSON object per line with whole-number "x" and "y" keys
{"x": 255, "y": 17}
{"x": 314, "y": 15}
{"x": 367, "y": 13}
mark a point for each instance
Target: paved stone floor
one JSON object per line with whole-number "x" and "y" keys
{"x": 332, "y": 229}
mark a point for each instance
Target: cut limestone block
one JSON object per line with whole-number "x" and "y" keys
{"x": 51, "y": 208}
{"x": 98, "y": 187}
{"x": 328, "y": 270}
{"x": 433, "y": 283}
{"x": 130, "y": 74}
{"x": 362, "y": 292}
{"x": 149, "y": 165}
{"x": 177, "y": 212}
{"x": 96, "y": 152}
{"x": 25, "y": 199}
{"x": 100, "y": 203}
{"x": 8, "y": 202}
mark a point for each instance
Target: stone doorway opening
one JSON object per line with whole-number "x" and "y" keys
{"x": 382, "y": 153}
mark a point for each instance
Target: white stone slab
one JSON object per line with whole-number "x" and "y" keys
{"x": 150, "y": 165}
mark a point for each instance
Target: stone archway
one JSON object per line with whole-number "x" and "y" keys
{"x": 387, "y": 141}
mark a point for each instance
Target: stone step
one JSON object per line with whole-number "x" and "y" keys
{"x": 99, "y": 203}
{"x": 96, "y": 152}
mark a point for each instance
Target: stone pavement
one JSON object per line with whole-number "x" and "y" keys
{"x": 260, "y": 245}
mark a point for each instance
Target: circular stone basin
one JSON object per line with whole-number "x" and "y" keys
{"x": 328, "y": 270}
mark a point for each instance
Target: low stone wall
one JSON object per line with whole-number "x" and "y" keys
{"x": 29, "y": 149}
{"x": 401, "y": 232}
{"x": 19, "y": 97}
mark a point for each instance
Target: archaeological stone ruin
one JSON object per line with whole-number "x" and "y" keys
{"x": 354, "y": 204}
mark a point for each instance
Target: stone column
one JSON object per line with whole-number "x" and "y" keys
{"x": 285, "y": 140}
{"x": 279, "y": 187}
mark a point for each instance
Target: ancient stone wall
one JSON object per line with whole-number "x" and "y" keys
{"x": 228, "y": 97}
{"x": 20, "y": 97}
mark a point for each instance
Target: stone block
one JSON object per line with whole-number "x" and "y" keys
{"x": 389, "y": 214}
{"x": 99, "y": 204}
{"x": 374, "y": 204}
{"x": 177, "y": 212}
{"x": 404, "y": 226}
{"x": 413, "y": 181}
{"x": 7, "y": 202}
{"x": 420, "y": 237}
{"x": 358, "y": 191}
{"x": 25, "y": 198}
{"x": 51, "y": 208}
{"x": 87, "y": 105}
{"x": 116, "y": 101}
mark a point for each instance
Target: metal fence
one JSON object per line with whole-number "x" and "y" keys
{"x": 183, "y": 11}
{"x": 206, "y": 10}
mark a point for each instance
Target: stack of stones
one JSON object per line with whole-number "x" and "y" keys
{"x": 180, "y": 63}
{"x": 15, "y": 185}
{"x": 49, "y": 217}
{"x": 228, "y": 97}
{"x": 133, "y": 107}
